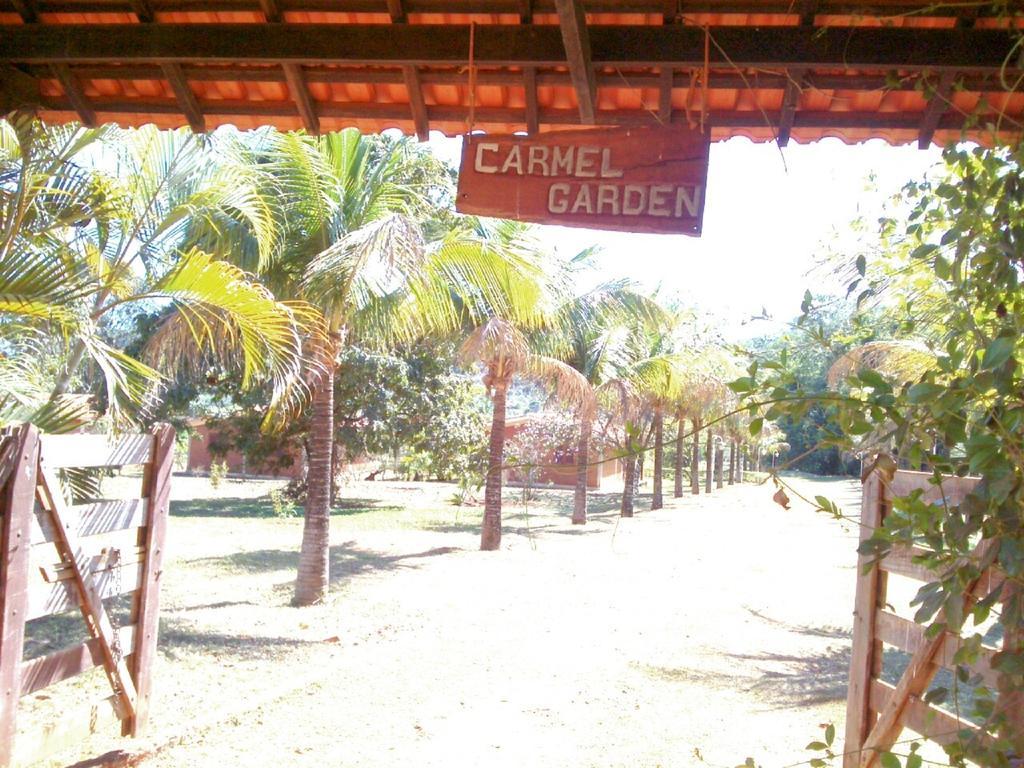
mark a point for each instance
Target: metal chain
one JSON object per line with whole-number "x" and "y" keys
{"x": 114, "y": 563}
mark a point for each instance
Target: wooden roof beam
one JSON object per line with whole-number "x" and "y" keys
{"x": 416, "y": 103}
{"x": 576, "y": 39}
{"x": 971, "y": 51}
{"x": 187, "y": 102}
{"x": 938, "y": 105}
{"x": 271, "y": 11}
{"x": 17, "y": 90}
{"x": 665, "y": 82}
{"x": 526, "y": 11}
{"x": 73, "y": 88}
{"x": 532, "y": 108}
{"x": 300, "y": 95}
{"x": 143, "y": 11}
{"x": 794, "y": 85}
{"x": 669, "y": 11}
{"x": 27, "y": 10}
{"x": 396, "y": 11}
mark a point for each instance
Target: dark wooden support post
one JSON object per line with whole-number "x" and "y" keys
{"x": 789, "y": 103}
{"x": 526, "y": 11}
{"x": 271, "y": 10}
{"x": 157, "y": 491}
{"x": 532, "y": 110}
{"x": 938, "y": 105}
{"x": 573, "y": 22}
{"x": 300, "y": 95}
{"x": 27, "y": 10}
{"x": 75, "y": 94}
{"x": 19, "y": 461}
{"x": 187, "y": 101}
{"x": 416, "y": 103}
{"x": 396, "y": 11}
{"x": 669, "y": 11}
{"x": 143, "y": 11}
{"x": 665, "y": 77}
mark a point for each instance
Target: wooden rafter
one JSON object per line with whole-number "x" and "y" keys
{"x": 665, "y": 82}
{"x": 532, "y": 109}
{"x": 396, "y": 11}
{"x": 526, "y": 11}
{"x": 938, "y": 105}
{"x": 978, "y": 51}
{"x": 143, "y": 11}
{"x": 576, "y": 38}
{"x": 27, "y": 10}
{"x": 271, "y": 11}
{"x": 300, "y": 93}
{"x": 188, "y": 104}
{"x": 669, "y": 11}
{"x": 789, "y": 103}
{"x": 73, "y": 88}
{"x": 416, "y": 103}
{"x": 18, "y": 90}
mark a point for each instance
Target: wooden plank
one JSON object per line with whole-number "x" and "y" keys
{"x": 866, "y": 604}
{"x": 17, "y": 497}
{"x": 915, "y": 680}
{"x": 952, "y": 489}
{"x": 61, "y": 451}
{"x": 96, "y": 518}
{"x": 938, "y": 104}
{"x": 147, "y": 603}
{"x": 74, "y": 725}
{"x": 45, "y": 671}
{"x": 576, "y": 39}
{"x": 900, "y": 562}
{"x": 677, "y": 45}
{"x": 64, "y": 595}
{"x": 108, "y": 557}
{"x": 90, "y": 601}
{"x": 417, "y": 105}
{"x": 931, "y": 722}
{"x": 907, "y": 636}
{"x": 73, "y": 89}
{"x": 532, "y": 110}
{"x": 790, "y": 100}
{"x": 300, "y": 94}
{"x": 186, "y": 99}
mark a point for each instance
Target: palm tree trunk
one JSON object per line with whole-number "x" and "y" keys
{"x": 579, "y": 504}
{"x": 710, "y": 459}
{"x": 490, "y": 538}
{"x": 628, "y": 486}
{"x": 719, "y": 465}
{"x": 314, "y": 558}
{"x": 732, "y": 463}
{"x": 677, "y": 492}
{"x": 657, "y": 500}
{"x": 695, "y": 460}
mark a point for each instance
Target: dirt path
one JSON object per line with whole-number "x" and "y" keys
{"x": 701, "y": 634}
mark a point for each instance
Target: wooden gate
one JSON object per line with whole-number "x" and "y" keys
{"x": 877, "y": 712}
{"x": 55, "y": 557}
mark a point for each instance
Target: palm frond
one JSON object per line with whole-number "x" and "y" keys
{"x": 896, "y": 359}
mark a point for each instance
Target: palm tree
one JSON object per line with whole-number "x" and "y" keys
{"x": 97, "y": 221}
{"x": 588, "y": 335}
{"x": 500, "y": 344}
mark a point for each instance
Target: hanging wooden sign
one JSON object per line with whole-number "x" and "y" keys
{"x": 631, "y": 179}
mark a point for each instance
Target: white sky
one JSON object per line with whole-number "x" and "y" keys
{"x": 763, "y": 224}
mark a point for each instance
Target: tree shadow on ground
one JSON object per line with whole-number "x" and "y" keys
{"x": 263, "y": 507}
{"x": 346, "y": 560}
{"x": 831, "y": 632}
{"x": 818, "y": 678}
{"x": 180, "y": 636}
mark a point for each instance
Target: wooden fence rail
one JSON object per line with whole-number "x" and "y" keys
{"x": 56, "y": 557}
{"x": 877, "y": 712}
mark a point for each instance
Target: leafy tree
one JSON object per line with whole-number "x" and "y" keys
{"x": 958, "y": 413}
